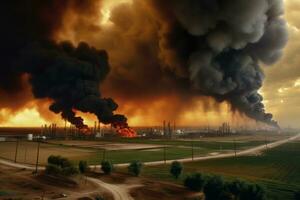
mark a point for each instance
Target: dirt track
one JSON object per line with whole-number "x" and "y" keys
{"x": 119, "y": 191}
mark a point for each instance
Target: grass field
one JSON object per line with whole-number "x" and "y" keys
{"x": 278, "y": 170}
{"x": 169, "y": 149}
{"x": 27, "y": 152}
{"x": 126, "y": 150}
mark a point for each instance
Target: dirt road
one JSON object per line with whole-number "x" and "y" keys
{"x": 119, "y": 191}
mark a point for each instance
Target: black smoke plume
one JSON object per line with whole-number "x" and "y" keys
{"x": 70, "y": 76}
{"x": 190, "y": 48}
{"x": 220, "y": 44}
{"x": 67, "y": 75}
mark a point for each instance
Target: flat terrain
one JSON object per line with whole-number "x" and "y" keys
{"x": 124, "y": 150}
{"x": 27, "y": 152}
{"x": 276, "y": 169}
{"x": 105, "y": 145}
{"x": 21, "y": 184}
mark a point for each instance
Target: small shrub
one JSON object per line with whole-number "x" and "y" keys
{"x": 58, "y": 165}
{"x": 82, "y": 166}
{"x": 253, "y": 192}
{"x": 53, "y": 169}
{"x": 59, "y": 161}
{"x": 135, "y": 168}
{"x": 176, "y": 169}
{"x": 236, "y": 187}
{"x": 195, "y": 182}
{"x": 227, "y": 196}
{"x": 297, "y": 195}
{"x": 66, "y": 163}
{"x": 69, "y": 171}
{"x": 54, "y": 160}
{"x": 214, "y": 188}
{"x": 99, "y": 198}
{"x": 107, "y": 167}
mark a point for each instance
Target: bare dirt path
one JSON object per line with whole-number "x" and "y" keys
{"x": 119, "y": 191}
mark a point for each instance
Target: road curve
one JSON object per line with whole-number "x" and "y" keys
{"x": 119, "y": 192}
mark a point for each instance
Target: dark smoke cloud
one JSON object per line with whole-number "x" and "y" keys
{"x": 68, "y": 75}
{"x": 189, "y": 48}
{"x": 221, "y": 44}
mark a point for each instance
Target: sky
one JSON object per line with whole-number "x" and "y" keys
{"x": 280, "y": 90}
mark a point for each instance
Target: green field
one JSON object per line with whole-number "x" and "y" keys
{"x": 88, "y": 150}
{"x": 278, "y": 170}
{"x": 170, "y": 150}
{"x": 27, "y": 152}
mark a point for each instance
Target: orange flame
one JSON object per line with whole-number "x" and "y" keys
{"x": 124, "y": 130}
{"x": 85, "y": 131}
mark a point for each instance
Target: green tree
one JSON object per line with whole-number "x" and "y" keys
{"x": 53, "y": 169}
{"x": 297, "y": 195}
{"x": 135, "y": 168}
{"x": 176, "y": 169}
{"x": 107, "y": 167}
{"x": 195, "y": 181}
{"x": 59, "y": 161}
{"x": 70, "y": 170}
{"x": 54, "y": 160}
{"x": 58, "y": 165}
{"x": 214, "y": 188}
{"x": 83, "y": 166}
{"x": 99, "y": 198}
{"x": 236, "y": 187}
{"x": 225, "y": 195}
{"x": 253, "y": 192}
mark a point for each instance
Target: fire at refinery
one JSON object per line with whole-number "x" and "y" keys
{"x": 108, "y": 57}
{"x": 123, "y": 131}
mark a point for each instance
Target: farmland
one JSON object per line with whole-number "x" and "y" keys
{"x": 27, "y": 152}
{"x": 125, "y": 150}
{"x": 277, "y": 170}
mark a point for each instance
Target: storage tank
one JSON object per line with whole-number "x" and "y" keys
{"x": 30, "y": 137}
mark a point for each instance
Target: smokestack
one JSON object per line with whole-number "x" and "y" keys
{"x": 174, "y": 127}
{"x": 164, "y": 128}
{"x": 169, "y": 130}
{"x": 99, "y": 127}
